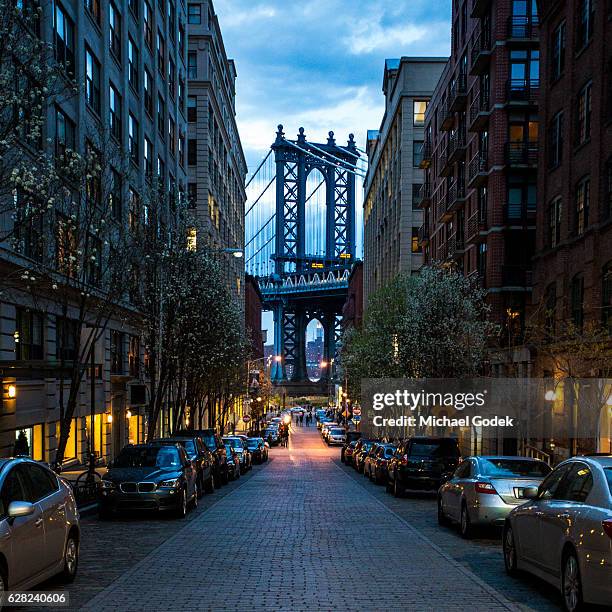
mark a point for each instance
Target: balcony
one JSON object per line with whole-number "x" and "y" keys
{"x": 523, "y": 29}
{"x": 447, "y": 118}
{"x": 476, "y": 223}
{"x": 426, "y": 151}
{"x": 480, "y": 52}
{"x": 456, "y": 196}
{"x": 455, "y": 246}
{"x": 445, "y": 168}
{"x": 425, "y": 194}
{"x": 480, "y": 7}
{"x": 522, "y": 91}
{"x": 478, "y": 170}
{"x": 423, "y": 235}
{"x": 457, "y": 94}
{"x": 456, "y": 146}
{"x": 479, "y": 111}
{"x": 477, "y": 278}
{"x": 516, "y": 276}
{"x": 523, "y": 154}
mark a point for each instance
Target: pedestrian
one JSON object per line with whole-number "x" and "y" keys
{"x": 301, "y": 419}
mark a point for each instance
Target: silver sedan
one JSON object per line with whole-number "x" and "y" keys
{"x": 564, "y": 533}
{"x": 483, "y": 490}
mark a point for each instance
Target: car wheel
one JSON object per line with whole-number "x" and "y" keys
{"x": 509, "y": 551}
{"x": 465, "y": 525}
{"x": 71, "y": 559}
{"x": 442, "y": 518}
{"x": 397, "y": 489}
{"x": 181, "y": 509}
{"x": 571, "y": 584}
{"x": 210, "y": 484}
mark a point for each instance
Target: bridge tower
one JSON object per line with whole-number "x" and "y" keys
{"x": 306, "y": 286}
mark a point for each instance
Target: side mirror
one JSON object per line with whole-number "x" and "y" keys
{"x": 530, "y": 492}
{"x": 20, "y": 508}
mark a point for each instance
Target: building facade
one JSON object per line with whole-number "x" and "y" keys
{"x": 129, "y": 61}
{"x": 216, "y": 165}
{"x": 480, "y": 157}
{"x": 253, "y": 312}
{"x": 352, "y": 312}
{"x": 394, "y": 178}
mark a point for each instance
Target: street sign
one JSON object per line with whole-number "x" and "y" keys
{"x": 246, "y": 418}
{"x": 356, "y": 411}
{"x": 345, "y": 414}
{"x": 356, "y": 418}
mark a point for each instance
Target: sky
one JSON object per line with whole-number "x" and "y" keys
{"x": 319, "y": 63}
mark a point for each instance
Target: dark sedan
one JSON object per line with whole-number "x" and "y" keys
{"x": 233, "y": 462}
{"x": 241, "y": 448}
{"x": 201, "y": 457}
{"x": 351, "y": 436}
{"x": 347, "y": 456}
{"x": 361, "y": 450}
{"x": 258, "y": 450}
{"x": 215, "y": 445}
{"x": 149, "y": 477}
{"x": 381, "y": 462}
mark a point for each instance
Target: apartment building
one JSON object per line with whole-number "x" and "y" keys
{"x": 128, "y": 61}
{"x": 393, "y": 183}
{"x": 216, "y": 164}
{"x": 480, "y": 157}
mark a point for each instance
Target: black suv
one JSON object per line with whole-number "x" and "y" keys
{"x": 215, "y": 445}
{"x": 422, "y": 463}
{"x": 351, "y": 436}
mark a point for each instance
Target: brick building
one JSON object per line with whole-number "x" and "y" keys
{"x": 352, "y": 311}
{"x": 393, "y": 181}
{"x": 252, "y": 312}
{"x": 480, "y": 155}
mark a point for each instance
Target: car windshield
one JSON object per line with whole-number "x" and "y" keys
{"x": 253, "y": 443}
{"x": 235, "y": 443}
{"x": 608, "y": 473}
{"x": 336, "y": 431}
{"x": 228, "y": 451}
{"x": 434, "y": 448}
{"x": 148, "y": 456}
{"x": 210, "y": 442}
{"x": 504, "y": 468}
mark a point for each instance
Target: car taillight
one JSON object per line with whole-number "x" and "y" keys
{"x": 607, "y": 525}
{"x": 484, "y": 487}
{"x": 405, "y": 460}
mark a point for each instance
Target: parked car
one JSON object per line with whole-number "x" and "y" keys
{"x": 483, "y": 490}
{"x": 350, "y": 437}
{"x": 369, "y": 458}
{"x": 336, "y": 436}
{"x": 381, "y": 462}
{"x": 348, "y": 452}
{"x": 326, "y": 427}
{"x": 233, "y": 462}
{"x": 422, "y": 463}
{"x": 240, "y": 447}
{"x": 39, "y": 528}
{"x": 258, "y": 450}
{"x": 201, "y": 457}
{"x": 152, "y": 476}
{"x": 271, "y": 435}
{"x": 361, "y": 450}
{"x": 215, "y": 445}
{"x": 563, "y": 533}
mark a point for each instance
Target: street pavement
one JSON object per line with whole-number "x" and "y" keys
{"x": 299, "y": 535}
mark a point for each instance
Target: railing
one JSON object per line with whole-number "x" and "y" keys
{"x": 522, "y": 153}
{"x": 425, "y": 192}
{"x": 447, "y": 118}
{"x": 457, "y": 92}
{"x": 456, "y": 193}
{"x": 478, "y": 166}
{"x": 456, "y": 143}
{"x": 479, "y": 7}
{"x": 523, "y": 27}
{"x": 480, "y": 106}
{"x": 426, "y": 150}
{"x": 536, "y": 453}
{"x": 474, "y": 223}
{"x": 516, "y": 276}
{"x": 523, "y": 90}
{"x": 481, "y": 47}
{"x": 423, "y": 234}
{"x": 454, "y": 245}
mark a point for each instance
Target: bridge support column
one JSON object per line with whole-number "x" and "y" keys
{"x": 300, "y": 373}
{"x": 329, "y": 345}
{"x": 277, "y": 372}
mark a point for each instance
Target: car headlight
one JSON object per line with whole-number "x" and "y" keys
{"x": 172, "y": 483}
{"x": 107, "y": 484}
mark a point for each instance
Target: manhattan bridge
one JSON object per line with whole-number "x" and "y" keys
{"x": 300, "y": 244}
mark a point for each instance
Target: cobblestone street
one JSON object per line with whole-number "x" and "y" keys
{"x": 300, "y": 533}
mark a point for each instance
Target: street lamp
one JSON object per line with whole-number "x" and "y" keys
{"x": 550, "y": 395}
{"x": 278, "y": 358}
{"x": 12, "y": 391}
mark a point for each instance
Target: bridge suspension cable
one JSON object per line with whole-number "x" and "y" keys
{"x": 263, "y": 161}
{"x": 327, "y": 161}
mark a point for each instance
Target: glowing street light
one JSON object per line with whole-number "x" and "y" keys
{"x": 12, "y": 391}
{"x": 550, "y": 395}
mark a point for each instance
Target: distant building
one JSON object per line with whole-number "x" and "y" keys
{"x": 216, "y": 166}
{"x": 352, "y": 312}
{"x": 393, "y": 182}
{"x": 252, "y": 312}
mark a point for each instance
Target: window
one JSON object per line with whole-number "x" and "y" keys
{"x": 148, "y": 23}
{"x": 419, "y": 108}
{"x": 133, "y": 6}
{"x": 93, "y": 182}
{"x": 416, "y": 195}
{"x": 577, "y": 301}
{"x": 584, "y": 18}
{"x": 28, "y": 227}
{"x": 192, "y": 65}
{"x": 66, "y": 339}
{"x": 606, "y": 296}
{"x": 557, "y": 52}
{"x": 181, "y": 94}
{"x": 93, "y": 8}
{"x": 63, "y": 35}
{"x": 172, "y": 19}
{"x": 554, "y": 223}
{"x": 148, "y": 92}
{"x": 64, "y": 133}
{"x": 161, "y": 52}
{"x": 13, "y": 489}
{"x": 192, "y": 152}
{"x": 42, "y": 482}
{"x": 521, "y": 196}
{"x": 181, "y": 40}
{"x": 28, "y": 335}
{"x": 66, "y": 247}
{"x": 192, "y": 109}
{"x": 417, "y": 152}
{"x": 181, "y": 149}
{"x": 114, "y": 108}
{"x": 133, "y": 57}
{"x": 161, "y": 171}
{"x": 134, "y": 356}
{"x": 115, "y": 194}
{"x": 583, "y": 114}
{"x": 414, "y": 241}
{"x": 481, "y": 263}
{"x": 194, "y": 14}
{"x": 172, "y": 135}
{"x": 116, "y": 352}
{"x": 133, "y": 139}
{"x": 114, "y": 24}
{"x": 583, "y": 196}
{"x": 555, "y": 144}
{"x": 192, "y": 195}
{"x": 92, "y": 81}
{"x": 148, "y": 157}
{"x": 133, "y": 209}
{"x": 161, "y": 116}
{"x": 550, "y": 305}
{"x": 172, "y": 78}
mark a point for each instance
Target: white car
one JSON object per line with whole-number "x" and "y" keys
{"x": 326, "y": 427}
{"x": 336, "y": 435}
